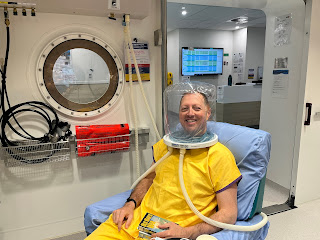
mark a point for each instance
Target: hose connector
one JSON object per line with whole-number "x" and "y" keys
{"x": 127, "y": 18}
{"x": 183, "y": 151}
{"x": 6, "y": 17}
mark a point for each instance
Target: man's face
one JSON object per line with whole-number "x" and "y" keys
{"x": 194, "y": 113}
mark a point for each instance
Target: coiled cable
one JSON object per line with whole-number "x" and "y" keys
{"x": 35, "y": 107}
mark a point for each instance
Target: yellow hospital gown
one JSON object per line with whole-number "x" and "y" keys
{"x": 206, "y": 171}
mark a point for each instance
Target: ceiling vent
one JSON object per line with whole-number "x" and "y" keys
{"x": 240, "y": 20}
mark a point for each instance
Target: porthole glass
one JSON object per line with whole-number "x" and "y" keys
{"x": 81, "y": 75}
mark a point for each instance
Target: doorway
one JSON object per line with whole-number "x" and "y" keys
{"x": 185, "y": 31}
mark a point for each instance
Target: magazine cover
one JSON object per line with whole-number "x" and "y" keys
{"x": 149, "y": 225}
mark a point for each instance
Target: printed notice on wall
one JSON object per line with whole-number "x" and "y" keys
{"x": 238, "y": 60}
{"x": 280, "y": 83}
{"x": 281, "y": 62}
{"x": 282, "y": 30}
{"x": 250, "y": 73}
{"x": 141, "y": 51}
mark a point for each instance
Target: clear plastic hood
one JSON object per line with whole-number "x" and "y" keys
{"x": 187, "y": 108}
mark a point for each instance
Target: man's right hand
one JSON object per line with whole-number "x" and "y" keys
{"x": 124, "y": 214}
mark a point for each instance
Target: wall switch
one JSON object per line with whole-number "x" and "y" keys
{"x": 114, "y": 4}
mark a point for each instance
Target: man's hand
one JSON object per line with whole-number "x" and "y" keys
{"x": 123, "y": 214}
{"x": 173, "y": 231}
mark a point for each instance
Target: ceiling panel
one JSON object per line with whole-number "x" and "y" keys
{"x": 211, "y": 17}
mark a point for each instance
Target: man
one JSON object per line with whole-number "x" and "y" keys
{"x": 210, "y": 176}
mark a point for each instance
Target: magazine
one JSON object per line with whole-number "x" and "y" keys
{"x": 149, "y": 225}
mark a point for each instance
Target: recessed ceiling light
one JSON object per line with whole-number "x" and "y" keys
{"x": 237, "y": 27}
{"x": 184, "y": 11}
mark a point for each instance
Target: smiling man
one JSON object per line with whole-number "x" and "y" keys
{"x": 211, "y": 182}
{"x": 194, "y": 112}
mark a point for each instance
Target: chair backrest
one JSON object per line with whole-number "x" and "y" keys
{"x": 251, "y": 149}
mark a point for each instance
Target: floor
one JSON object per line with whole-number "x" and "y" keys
{"x": 274, "y": 194}
{"x": 297, "y": 224}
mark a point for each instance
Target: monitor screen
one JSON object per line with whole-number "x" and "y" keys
{"x": 201, "y": 61}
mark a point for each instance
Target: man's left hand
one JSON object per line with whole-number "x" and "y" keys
{"x": 172, "y": 231}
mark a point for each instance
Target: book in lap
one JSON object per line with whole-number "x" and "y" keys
{"x": 149, "y": 225}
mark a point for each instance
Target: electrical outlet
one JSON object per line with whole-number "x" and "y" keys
{"x": 114, "y": 4}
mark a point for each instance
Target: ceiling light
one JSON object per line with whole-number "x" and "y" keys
{"x": 237, "y": 27}
{"x": 184, "y": 11}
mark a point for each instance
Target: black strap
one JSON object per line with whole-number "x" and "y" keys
{"x": 130, "y": 199}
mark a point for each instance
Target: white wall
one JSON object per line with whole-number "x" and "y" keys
{"x": 239, "y": 46}
{"x": 255, "y": 51}
{"x": 45, "y": 201}
{"x": 173, "y": 54}
{"x": 190, "y": 38}
{"x": 231, "y": 41}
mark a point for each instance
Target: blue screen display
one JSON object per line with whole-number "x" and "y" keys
{"x": 200, "y": 61}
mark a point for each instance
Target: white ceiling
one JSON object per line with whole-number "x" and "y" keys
{"x": 211, "y": 17}
{"x": 198, "y": 16}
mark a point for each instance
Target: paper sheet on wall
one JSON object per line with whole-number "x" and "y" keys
{"x": 251, "y": 73}
{"x": 282, "y": 30}
{"x": 280, "y": 83}
{"x": 281, "y": 62}
{"x": 238, "y": 60}
{"x": 141, "y": 51}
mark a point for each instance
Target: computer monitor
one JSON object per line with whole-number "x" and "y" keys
{"x": 201, "y": 61}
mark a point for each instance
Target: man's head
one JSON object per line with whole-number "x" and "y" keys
{"x": 194, "y": 112}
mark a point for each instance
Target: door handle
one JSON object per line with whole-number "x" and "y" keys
{"x": 308, "y": 106}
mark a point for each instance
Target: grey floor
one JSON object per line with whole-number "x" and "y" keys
{"x": 297, "y": 224}
{"x": 274, "y": 194}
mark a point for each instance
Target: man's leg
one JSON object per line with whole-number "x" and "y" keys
{"x": 99, "y": 212}
{"x": 109, "y": 231}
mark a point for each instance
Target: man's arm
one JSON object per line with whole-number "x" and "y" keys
{"x": 227, "y": 213}
{"x": 126, "y": 212}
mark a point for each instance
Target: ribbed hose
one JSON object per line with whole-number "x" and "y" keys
{"x": 127, "y": 20}
{"x": 209, "y": 220}
{"x": 170, "y": 150}
{"x": 133, "y": 107}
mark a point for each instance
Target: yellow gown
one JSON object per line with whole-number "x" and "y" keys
{"x": 206, "y": 171}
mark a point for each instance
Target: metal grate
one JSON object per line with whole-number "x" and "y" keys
{"x": 33, "y": 152}
{"x": 93, "y": 146}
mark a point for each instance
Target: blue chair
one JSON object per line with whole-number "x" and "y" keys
{"x": 251, "y": 149}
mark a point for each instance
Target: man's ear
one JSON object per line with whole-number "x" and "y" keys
{"x": 208, "y": 113}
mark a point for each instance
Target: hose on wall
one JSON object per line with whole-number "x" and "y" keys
{"x": 127, "y": 22}
{"x": 133, "y": 107}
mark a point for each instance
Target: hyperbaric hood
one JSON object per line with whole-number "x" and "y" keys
{"x": 187, "y": 108}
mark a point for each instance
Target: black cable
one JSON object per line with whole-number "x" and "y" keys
{"x": 35, "y": 107}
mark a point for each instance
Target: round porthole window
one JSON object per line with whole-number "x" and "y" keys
{"x": 80, "y": 75}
